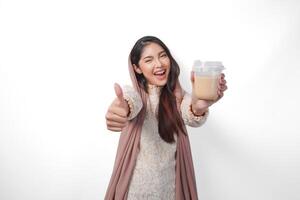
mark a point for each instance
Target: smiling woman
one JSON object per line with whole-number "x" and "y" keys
{"x": 154, "y": 64}
{"x": 154, "y": 159}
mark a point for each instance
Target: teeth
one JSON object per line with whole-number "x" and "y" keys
{"x": 159, "y": 73}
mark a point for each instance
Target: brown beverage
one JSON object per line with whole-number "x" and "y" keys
{"x": 206, "y": 76}
{"x": 206, "y": 87}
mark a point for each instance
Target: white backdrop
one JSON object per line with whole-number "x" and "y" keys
{"x": 60, "y": 58}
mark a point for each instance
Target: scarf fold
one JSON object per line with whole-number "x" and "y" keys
{"x": 128, "y": 150}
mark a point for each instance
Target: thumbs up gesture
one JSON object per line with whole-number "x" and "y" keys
{"x": 116, "y": 116}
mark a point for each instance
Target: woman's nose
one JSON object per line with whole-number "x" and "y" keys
{"x": 158, "y": 63}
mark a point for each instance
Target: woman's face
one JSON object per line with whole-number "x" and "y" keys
{"x": 154, "y": 64}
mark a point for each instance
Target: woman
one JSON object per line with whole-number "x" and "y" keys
{"x": 154, "y": 159}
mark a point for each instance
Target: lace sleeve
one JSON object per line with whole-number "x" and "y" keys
{"x": 134, "y": 101}
{"x": 188, "y": 117}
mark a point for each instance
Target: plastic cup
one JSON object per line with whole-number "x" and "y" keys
{"x": 206, "y": 79}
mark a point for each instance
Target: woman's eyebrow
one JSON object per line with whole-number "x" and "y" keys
{"x": 163, "y": 51}
{"x": 147, "y": 57}
{"x": 150, "y": 57}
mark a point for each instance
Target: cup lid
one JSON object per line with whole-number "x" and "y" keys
{"x": 208, "y": 66}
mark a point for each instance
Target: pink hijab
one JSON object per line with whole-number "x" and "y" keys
{"x": 128, "y": 150}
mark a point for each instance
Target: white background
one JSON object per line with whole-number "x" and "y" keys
{"x": 60, "y": 58}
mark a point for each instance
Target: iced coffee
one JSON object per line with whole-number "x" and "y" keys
{"x": 206, "y": 79}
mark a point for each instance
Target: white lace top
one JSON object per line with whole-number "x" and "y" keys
{"x": 154, "y": 174}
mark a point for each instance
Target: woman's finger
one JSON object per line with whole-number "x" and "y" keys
{"x": 222, "y": 76}
{"x": 220, "y": 94}
{"x": 116, "y": 129}
{"x": 114, "y": 117}
{"x": 115, "y": 124}
{"x": 222, "y": 81}
{"x": 192, "y": 77}
{"x": 222, "y": 87}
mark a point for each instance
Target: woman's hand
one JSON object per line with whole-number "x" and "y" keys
{"x": 116, "y": 116}
{"x": 199, "y": 106}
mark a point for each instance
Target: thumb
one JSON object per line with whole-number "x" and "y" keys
{"x": 119, "y": 92}
{"x": 192, "y": 76}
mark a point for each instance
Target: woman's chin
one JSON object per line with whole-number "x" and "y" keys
{"x": 159, "y": 83}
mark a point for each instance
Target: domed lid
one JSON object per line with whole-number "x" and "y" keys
{"x": 207, "y": 66}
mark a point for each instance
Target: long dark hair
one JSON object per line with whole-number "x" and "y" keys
{"x": 169, "y": 118}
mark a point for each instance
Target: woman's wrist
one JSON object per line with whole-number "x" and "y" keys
{"x": 129, "y": 107}
{"x": 197, "y": 111}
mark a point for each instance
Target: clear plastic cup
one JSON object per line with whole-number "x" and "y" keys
{"x": 206, "y": 78}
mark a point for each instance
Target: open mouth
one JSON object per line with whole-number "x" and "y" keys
{"x": 160, "y": 73}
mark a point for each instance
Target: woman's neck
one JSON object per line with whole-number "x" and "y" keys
{"x": 153, "y": 88}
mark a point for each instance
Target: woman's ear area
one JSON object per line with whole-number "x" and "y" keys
{"x": 137, "y": 69}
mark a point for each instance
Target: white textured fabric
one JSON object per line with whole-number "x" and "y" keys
{"x": 134, "y": 100}
{"x": 187, "y": 116}
{"x": 154, "y": 174}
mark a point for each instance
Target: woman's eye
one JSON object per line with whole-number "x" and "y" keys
{"x": 147, "y": 61}
{"x": 163, "y": 55}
